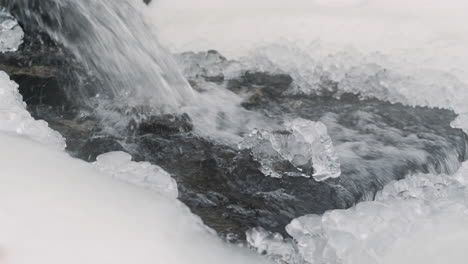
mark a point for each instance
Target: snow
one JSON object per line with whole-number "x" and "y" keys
{"x": 120, "y": 166}
{"x": 55, "y": 209}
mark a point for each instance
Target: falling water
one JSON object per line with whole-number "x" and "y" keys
{"x": 113, "y": 40}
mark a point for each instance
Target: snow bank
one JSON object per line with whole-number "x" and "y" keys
{"x": 120, "y": 166}
{"x": 55, "y": 209}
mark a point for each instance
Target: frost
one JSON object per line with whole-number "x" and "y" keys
{"x": 305, "y": 144}
{"x": 11, "y": 34}
{"x": 120, "y": 166}
{"x": 14, "y": 117}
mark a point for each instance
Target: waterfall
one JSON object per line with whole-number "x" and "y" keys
{"x": 114, "y": 42}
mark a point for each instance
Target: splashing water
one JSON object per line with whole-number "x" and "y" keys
{"x": 116, "y": 44}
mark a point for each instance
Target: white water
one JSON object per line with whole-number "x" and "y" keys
{"x": 118, "y": 46}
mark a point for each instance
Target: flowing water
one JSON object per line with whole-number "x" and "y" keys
{"x": 389, "y": 55}
{"x": 117, "y": 45}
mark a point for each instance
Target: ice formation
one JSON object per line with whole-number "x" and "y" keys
{"x": 14, "y": 117}
{"x": 144, "y": 174}
{"x": 11, "y": 34}
{"x": 366, "y": 233}
{"x": 305, "y": 144}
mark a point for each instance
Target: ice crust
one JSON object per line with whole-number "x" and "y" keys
{"x": 11, "y": 34}
{"x": 305, "y": 144}
{"x": 120, "y": 166}
{"x": 366, "y": 233}
{"x": 14, "y": 117}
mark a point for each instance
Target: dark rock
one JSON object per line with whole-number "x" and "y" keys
{"x": 226, "y": 188}
{"x": 96, "y": 146}
{"x": 272, "y": 85}
{"x": 164, "y": 125}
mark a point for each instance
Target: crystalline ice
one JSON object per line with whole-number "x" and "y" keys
{"x": 15, "y": 118}
{"x": 274, "y": 245}
{"x": 120, "y": 165}
{"x": 324, "y": 159}
{"x": 365, "y": 233}
{"x": 11, "y": 34}
{"x": 305, "y": 144}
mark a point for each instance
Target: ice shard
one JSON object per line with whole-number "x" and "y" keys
{"x": 304, "y": 144}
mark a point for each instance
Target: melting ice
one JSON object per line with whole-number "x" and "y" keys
{"x": 305, "y": 144}
{"x": 11, "y": 34}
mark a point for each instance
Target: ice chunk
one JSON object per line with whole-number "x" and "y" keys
{"x": 305, "y": 144}
{"x": 324, "y": 159}
{"x": 11, "y": 34}
{"x": 366, "y": 233}
{"x": 120, "y": 165}
{"x": 15, "y": 118}
{"x": 273, "y": 244}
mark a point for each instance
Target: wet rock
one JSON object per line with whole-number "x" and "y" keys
{"x": 164, "y": 125}
{"x": 272, "y": 85}
{"x": 226, "y": 188}
{"x": 46, "y": 72}
{"x": 96, "y": 146}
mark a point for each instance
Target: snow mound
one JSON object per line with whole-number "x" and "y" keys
{"x": 120, "y": 166}
{"x": 55, "y": 209}
{"x": 14, "y": 117}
